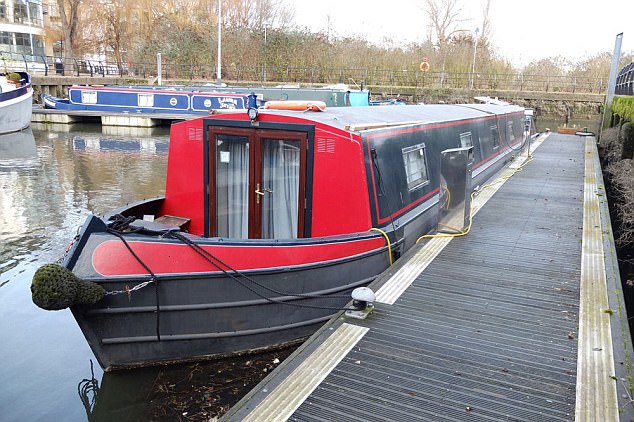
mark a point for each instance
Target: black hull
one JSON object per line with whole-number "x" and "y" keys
{"x": 205, "y": 317}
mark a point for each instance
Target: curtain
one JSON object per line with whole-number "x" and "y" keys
{"x": 232, "y": 179}
{"x": 280, "y": 175}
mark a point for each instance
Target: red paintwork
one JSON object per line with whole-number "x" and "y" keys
{"x": 340, "y": 193}
{"x": 184, "y": 183}
{"x": 338, "y": 208}
{"x": 112, "y": 258}
{"x": 340, "y": 199}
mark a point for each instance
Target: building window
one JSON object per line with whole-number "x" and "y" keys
{"x": 465, "y": 140}
{"x": 35, "y": 13}
{"x": 6, "y": 40}
{"x": 38, "y": 45}
{"x": 495, "y": 134}
{"x": 3, "y": 10}
{"x": 20, "y": 12}
{"x": 415, "y": 162}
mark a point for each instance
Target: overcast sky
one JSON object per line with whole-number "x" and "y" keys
{"x": 522, "y": 31}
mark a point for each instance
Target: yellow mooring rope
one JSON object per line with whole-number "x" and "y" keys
{"x": 389, "y": 244}
{"x": 475, "y": 192}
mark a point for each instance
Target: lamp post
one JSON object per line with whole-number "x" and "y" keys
{"x": 219, "y": 68}
{"x": 264, "y": 66}
{"x": 475, "y": 47}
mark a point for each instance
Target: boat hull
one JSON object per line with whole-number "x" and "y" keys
{"x": 195, "y": 315}
{"x": 118, "y": 100}
{"x": 15, "y": 112}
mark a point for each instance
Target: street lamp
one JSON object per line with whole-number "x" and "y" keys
{"x": 264, "y": 66}
{"x": 475, "y": 47}
{"x": 219, "y": 62}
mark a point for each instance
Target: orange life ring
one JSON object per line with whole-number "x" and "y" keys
{"x": 298, "y": 105}
{"x": 424, "y": 66}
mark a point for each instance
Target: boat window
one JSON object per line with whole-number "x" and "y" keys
{"x": 509, "y": 132}
{"x": 415, "y": 162}
{"x": 465, "y": 140}
{"x": 280, "y": 182}
{"x": 89, "y": 97}
{"x": 232, "y": 183}
{"x": 496, "y": 136}
{"x": 146, "y": 100}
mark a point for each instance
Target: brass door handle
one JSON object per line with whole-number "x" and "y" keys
{"x": 261, "y": 192}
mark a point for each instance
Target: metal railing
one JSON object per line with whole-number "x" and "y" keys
{"x": 260, "y": 74}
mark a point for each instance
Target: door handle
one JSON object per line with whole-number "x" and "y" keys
{"x": 263, "y": 191}
{"x": 260, "y": 193}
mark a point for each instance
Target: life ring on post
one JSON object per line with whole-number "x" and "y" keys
{"x": 424, "y": 66}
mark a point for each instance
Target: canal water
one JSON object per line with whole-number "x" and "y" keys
{"x": 51, "y": 178}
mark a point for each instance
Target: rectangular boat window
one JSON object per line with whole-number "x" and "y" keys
{"x": 465, "y": 140}
{"x": 232, "y": 186}
{"x": 509, "y": 132}
{"x": 146, "y": 100}
{"x": 280, "y": 184}
{"x": 89, "y": 97}
{"x": 415, "y": 162}
{"x": 496, "y": 136}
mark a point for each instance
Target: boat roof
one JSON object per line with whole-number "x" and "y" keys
{"x": 360, "y": 118}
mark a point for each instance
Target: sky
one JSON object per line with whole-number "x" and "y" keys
{"x": 522, "y": 31}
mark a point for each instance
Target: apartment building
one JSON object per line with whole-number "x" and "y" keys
{"x": 22, "y": 27}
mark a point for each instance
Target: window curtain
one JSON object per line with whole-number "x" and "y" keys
{"x": 280, "y": 175}
{"x": 232, "y": 178}
{"x": 238, "y": 192}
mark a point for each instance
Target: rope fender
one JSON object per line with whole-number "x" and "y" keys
{"x": 54, "y": 287}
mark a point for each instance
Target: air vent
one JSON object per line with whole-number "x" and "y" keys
{"x": 326, "y": 146}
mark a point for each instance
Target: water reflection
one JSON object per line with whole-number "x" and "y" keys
{"x": 17, "y": 150}
{"x": 48, "y": 186}
{"x": 553, "y": 122}
{"x": 197, "y": 391}
{"x": 118, "y": 397}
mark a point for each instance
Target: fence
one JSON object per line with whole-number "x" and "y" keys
{"x": 260, "y": 74}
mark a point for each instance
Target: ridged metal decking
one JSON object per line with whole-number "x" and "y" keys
{"x": 491, "y": 328}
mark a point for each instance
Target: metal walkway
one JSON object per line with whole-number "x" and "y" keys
{"x": 521, "y": 320}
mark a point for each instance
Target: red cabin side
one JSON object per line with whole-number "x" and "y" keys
{"x": 340, "y": 202}
{"x": 184, "y": 184}
{"x": 340, "y": 194}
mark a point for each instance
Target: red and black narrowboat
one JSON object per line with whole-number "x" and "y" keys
{"x": 265, "y": 226}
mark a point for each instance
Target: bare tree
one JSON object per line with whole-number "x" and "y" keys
{"x": 257, "y": 14}
{"x": 444, "y": 18}
{"x": 69, "y": 15}
{"x": 485, "y": 35}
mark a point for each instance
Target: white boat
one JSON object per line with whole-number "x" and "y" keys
{"x": 16, "y": 102}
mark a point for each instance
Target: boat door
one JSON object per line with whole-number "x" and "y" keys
{"x": 257, "y": 181}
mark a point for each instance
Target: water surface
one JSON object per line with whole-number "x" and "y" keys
{"x": 51, "y": 179}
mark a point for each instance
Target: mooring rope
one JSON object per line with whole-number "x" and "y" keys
{"x": 120, "y": 225}
{"x": 153, "y": 278}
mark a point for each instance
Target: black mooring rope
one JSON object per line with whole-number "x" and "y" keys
{"x": 152, "y": 275}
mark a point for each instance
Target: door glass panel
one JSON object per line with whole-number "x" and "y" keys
{"x": 280, "y": 188}
{"x": 232, "y": 186}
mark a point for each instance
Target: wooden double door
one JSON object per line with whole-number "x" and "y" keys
{"x": 257, "y": 183}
